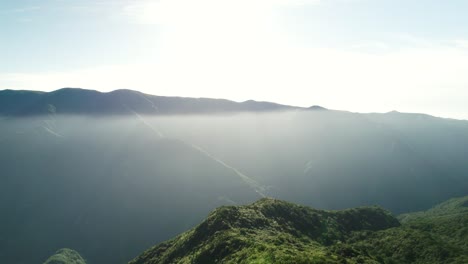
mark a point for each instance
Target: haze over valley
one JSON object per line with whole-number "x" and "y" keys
{"x": 118, "y": 172}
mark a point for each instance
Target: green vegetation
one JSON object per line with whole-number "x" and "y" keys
{"x": 65, "y": 256}
{"x": 268, "y": 231}
{"x": 274, "y": 231}
{"x": 439, "y": 235}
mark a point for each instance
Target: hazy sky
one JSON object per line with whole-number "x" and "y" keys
{"x": 357, "y": 55}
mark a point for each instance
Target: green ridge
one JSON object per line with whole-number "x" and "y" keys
{"x": 274, "y": 231}
{"x": 268, "y": 231}
{"x": 65, "y": 256}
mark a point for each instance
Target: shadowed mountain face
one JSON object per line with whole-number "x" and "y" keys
{"x": 404, "y": 162}
{"x": 118, "y": 178}
{"x": 273, "y": 231}
{"x": 119, "y": 102}
{"x": 107, "y": 189}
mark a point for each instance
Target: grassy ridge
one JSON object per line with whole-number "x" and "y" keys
{"x": 273, "y": 231}
{"x": 268, "y": 231}
{"x": 65, "y": 256}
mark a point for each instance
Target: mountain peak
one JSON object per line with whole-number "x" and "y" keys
{"x": 317, "y": 107}
{"x": 65, "y": 256}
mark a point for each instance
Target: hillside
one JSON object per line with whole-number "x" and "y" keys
{"x": 65, "y": 256}
{"x": 103, "y": 186}
{"x": 402, "y": 162}
{"x": 438, "y": 235}
{"x": 452, "y": 208}
{"x": 273, "y": 231}
{"x": 268, "y": 231}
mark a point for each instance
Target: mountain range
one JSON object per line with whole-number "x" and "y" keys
{"x": 110, "y": 174}
{"x": 120, "y": 102}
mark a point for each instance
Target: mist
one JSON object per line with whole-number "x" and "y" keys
{"x": 110, "y": 184}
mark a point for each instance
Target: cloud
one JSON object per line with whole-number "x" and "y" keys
{"x": 164, "y": 12}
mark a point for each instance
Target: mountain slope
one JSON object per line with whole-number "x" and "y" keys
{"x": 404, "y": 163}
{"x": 273, "y": 231}
{"x": 452, "y": 208}
{"x": 268, "y": 231}
{"x": 439, "y": 235}
{"x": 65, "y": 256}
{"x": 101, "y": 187}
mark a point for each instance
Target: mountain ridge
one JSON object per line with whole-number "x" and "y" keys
{"x": 12, "y": 105}
{"x": 267, "y": 231}
{"x": 275, "y": 231}
{"x": 123, "y": 102}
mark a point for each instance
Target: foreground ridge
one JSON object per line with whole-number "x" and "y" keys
{"x": 275, "y": 231}
{"x": 65, "y": 256}
{"x": 268, "y": 231}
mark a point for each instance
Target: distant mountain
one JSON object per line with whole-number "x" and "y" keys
{"x": 403, "y": 162}
{"x": 273, "y": 231}
{"x": 119, "y": 102}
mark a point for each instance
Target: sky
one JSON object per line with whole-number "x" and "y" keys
{"x": 355, "y": 55}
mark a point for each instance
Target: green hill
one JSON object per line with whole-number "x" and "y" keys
{"x": 268, "y": 231}
{"x": 438, "y": 235}
{"x": 65, "y": 256}
{"x": 274, "y": 231}
{"x": 451, "y": 208}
